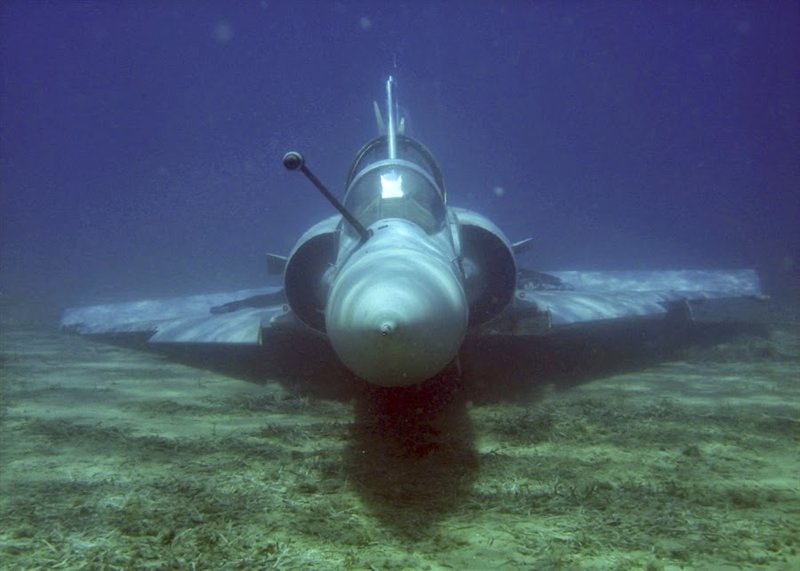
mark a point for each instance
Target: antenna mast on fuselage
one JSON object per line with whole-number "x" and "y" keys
{"x": 391, "y": 131}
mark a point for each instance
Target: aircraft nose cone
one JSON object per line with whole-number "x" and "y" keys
{"x": 396, "y": 320}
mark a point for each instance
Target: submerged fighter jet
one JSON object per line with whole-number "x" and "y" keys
{"x": 398, "y": 278}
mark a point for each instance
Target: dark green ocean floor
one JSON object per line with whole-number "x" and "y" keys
{"x": 114, "y": 458}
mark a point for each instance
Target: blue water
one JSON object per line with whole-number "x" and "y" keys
{"x": 141, "y": 141}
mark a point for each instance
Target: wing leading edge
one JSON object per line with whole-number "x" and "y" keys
{"x": 212, "y": 318}
{"x": 593, "y": 297}
{"x": 581, "y": 298}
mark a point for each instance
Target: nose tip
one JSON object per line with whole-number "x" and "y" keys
{"x": 387, "y": 327}
{"x": 397, "y": 320}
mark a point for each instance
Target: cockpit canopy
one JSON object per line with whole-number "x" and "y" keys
{"x": 409, "y": 186}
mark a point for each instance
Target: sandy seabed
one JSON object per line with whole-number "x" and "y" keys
{"x": 113, "y": 458}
